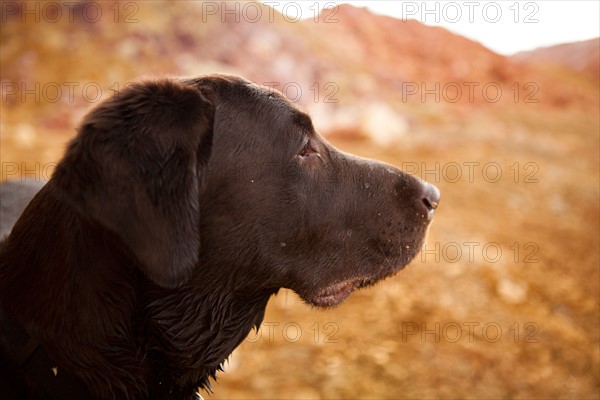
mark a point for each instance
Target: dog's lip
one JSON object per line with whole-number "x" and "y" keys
{"x": 337, "y": 292}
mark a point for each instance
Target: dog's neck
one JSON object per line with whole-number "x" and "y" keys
{"x": 196, "y": 333}
{"x": 107, "y": 324}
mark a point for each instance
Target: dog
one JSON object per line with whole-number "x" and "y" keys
{"x": 178, "y": 210}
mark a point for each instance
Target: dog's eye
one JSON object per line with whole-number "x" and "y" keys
{"x": 307, "y": 149}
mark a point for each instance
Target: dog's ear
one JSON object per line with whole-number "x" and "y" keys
{"x": 135, "y": 168}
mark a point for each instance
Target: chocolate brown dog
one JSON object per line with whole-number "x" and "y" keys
{"x": 179, "y": 208}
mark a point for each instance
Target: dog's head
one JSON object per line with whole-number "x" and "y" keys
{"x": 217, "y": 173}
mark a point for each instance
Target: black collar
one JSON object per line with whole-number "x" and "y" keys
{"x": 31, "y": 358}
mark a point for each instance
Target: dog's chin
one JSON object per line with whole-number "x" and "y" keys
{"x": 335, "y": 293}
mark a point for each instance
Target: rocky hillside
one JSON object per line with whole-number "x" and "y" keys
{"x": 350, "y": 68}
{"x": 581, "y": 56}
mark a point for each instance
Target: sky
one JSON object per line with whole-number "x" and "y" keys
{"x": 504, "y": 26}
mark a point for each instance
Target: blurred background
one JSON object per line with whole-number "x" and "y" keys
{"x": 504, "y": 300}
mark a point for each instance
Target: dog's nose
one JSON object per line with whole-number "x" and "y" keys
{"x": 431, "y": 197}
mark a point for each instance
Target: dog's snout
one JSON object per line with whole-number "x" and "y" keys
{"x": 430, "y": 197}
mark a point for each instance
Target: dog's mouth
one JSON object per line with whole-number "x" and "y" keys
{"x": 388, "y": 263}
{"x": 337, "y": 292}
